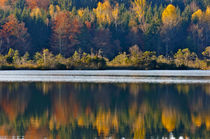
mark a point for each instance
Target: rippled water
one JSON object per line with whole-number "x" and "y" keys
{"x": 96, "y": 110}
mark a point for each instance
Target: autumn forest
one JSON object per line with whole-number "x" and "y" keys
{"x": 104, "y": 34}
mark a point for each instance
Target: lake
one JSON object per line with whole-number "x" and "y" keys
{"x": 98, "y": 104}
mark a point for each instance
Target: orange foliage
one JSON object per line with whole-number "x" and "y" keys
{"x": 13, "y": 107}
{"x": 88, "y": 24}
{"x": 65, "y": 30}
{"x": 34, "y": 133}
{"x": 38, "y": 4}
{"x": 3, "y": 131}
{"x": 64, "y": 110}
{"x": 3, "y": 2}
{"x": 169, "y": 119}
{"x": 197, "y": 120}
{"x": 14, "y": 34}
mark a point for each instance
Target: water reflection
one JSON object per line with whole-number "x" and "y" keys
{"x": 83, "y": 110}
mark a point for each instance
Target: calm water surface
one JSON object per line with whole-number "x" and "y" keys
{"x": 89, "y": 110}
{"x": 97, "y": 110}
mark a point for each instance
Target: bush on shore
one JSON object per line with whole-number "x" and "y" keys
{"x": 135, "y": 59}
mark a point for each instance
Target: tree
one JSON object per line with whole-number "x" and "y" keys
{"x": 37, "y": 4}
{"x": 200, "y": 28}
{"x": 36, "y": 12}
{"x": 2, "y": 61}
{"x": 25, "y": 58}
{"x": 185, "y": 58}
{"x": 120, "y": 60}
{"x": 198, "y": 15}
{"x": 139, "y": 8}
{"x": 170, "y": 28}
{"x": 16, "y": 58}
{"x": 135, "y": 54}
{"x": 14, "y": 35}
{"x": 102, "y": 40}
{"x": 64, "y": 4}
{"x": 206, "y": 53}
{"x": 170, "y": 16}
{"x": 9, "y": 56}
{"x": 65, "y": 31}
{"x": 45, "y": 59}
{"x": 148, "y": 60}
{"x": 103, "y": 13}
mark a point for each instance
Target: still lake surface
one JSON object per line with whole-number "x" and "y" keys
{"x": 97, "y": 104}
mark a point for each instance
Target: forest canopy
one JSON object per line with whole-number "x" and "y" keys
{"x": 108, "y": 26}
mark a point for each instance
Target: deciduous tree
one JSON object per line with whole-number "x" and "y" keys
{"x": 65, "y": 31}
{"x": 38, "y": 4}
{"x": 14, "y": 35}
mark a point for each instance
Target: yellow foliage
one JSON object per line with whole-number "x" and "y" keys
{"x": 197, "y": 120}
{"x": 105, "y": 122}
{"x": 197, "y": 15}
{"x": 207, "y": 15}
{"x": 115, "y": 13}
{"x": 36, "y": 12}
{"x": 183, "y": 89}
{"x": 35, "y": 122}
{"x": 169, "y": 119}
{"x": 139, "y": 129}
{"x": 208, "y": 10}
{"x": 207, "y": 89}
{"x": 51, "y": 124}
{"x": 51, "y": 10}
{"x": 102, "y": 123}
{"x": 207, "y": 122}
{"x": 115, "y": 122}
{"x": 81, "y": 12}
{"x": 80, "y": 122}
{"x": 138, "y": 6}
{"x": 103, "y": 12}
{"x": 169, "y": 15}
{"x": 203, "y": 17}
{"x": 58, "y": 9}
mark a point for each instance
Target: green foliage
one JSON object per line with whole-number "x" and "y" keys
{"x": 25, "y": 58}
{"x": 16, "y": 58}
{"x": 206, "y": 53}
{"x": 148, "y": 60}
{"x": 3, "y": 61}
{"x": 45, "y": 59}
{"x": 64, "y": 26}
{"x": 120, "y": 60}
{"x": 10, "y": 55}
{"x": 135, "y": 59}
{"x": 135, "y": 54}
{"x": 185, "y": 58}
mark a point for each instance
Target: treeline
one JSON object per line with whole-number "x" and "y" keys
{"x": 135, "y": 59}
{"x": 108, "y": 26}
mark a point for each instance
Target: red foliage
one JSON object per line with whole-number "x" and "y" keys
{"x": 37, "y": 3}
{"x": 65, "y": 30}
{"x": 14, "y": 34}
